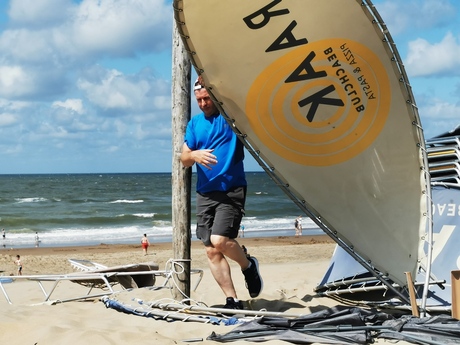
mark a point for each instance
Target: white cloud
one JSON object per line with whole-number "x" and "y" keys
{"x": 7, "y": 119}
{"x": 75, "y": 105}
{"x": 162, "y": 102}
{"x": 75, "y": 80}
{"x": 439, "y": 116}
{"x": 112, "y": 149}
{"x": 38, "y": 12}
{"x": 84, "y": 33}
{"x": 122, "y": 27}
{"x": 15, "y": 81}
{"x": 112, "y": 90}
{"x": 84, "y": 126}
{"x": 441, "y": 110}
{"x": 415, "y": 14}
{"x": 46, "y": 131}
{"x": 107, "y": 93}
{"x": 141, "y": 133}
{"x": 27, "y": 46}
{"x": 11, "y": 76}
{"x": 12, "y": 149}
{"x": 424, "y": 58}
{"x": 12, "y": 106}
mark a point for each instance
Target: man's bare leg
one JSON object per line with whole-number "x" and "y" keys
{"x": 221, "y": 272}
{"x": 231, "y": 249}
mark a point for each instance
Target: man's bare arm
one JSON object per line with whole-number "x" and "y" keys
{"x": 203, "y": 157}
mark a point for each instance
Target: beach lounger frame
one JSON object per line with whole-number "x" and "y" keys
{"x": 103, "y": 280}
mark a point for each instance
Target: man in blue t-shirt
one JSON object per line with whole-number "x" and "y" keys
{"x": 221, "y": 194}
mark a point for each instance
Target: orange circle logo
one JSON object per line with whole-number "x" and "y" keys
{"x": 321, "y": 104}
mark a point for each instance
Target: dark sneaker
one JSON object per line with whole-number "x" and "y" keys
{"x": 232, "y": 304}
{"x": 253, "y": 279}
{"x": 245, "y": 251}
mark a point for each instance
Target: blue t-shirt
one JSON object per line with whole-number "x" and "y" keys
{"x": 213, "y": 132}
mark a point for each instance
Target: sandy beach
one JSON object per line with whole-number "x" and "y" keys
{"x": 291, "y": 267}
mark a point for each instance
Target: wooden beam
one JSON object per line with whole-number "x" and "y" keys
{"x": 181, "y": 177}
{"x": 455, "y": 286}
{"x": 413, "y": 298}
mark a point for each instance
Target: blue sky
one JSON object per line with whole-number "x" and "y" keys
{"x": 85, "y": 86}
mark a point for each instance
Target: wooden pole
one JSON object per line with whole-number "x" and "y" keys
{"x": 181, "y": 177}
{"x": 413, "y": 298}
{"x": 455, "y": 286}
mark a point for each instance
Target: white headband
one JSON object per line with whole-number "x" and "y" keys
{"x": 197, "y": 85}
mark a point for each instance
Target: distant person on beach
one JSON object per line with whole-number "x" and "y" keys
{"x": 221, "y": 194}
{"x": 3, "y": 233}
{"x": 145, "y": 244}
{"x": 298, "y": 226}
{"x": 18, "y": 263}
{"x": 241, "y": 231}
{"x": 37, "y": 240}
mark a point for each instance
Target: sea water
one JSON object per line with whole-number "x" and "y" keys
{"x": 91, "y": 209}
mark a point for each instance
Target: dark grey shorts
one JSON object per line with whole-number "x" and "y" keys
{"x": 219, "y": 213}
